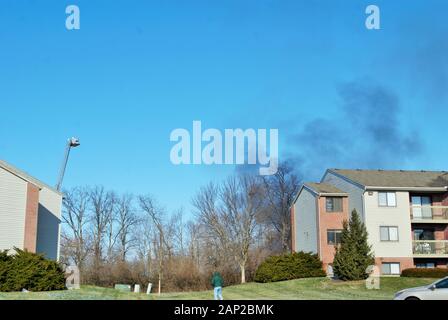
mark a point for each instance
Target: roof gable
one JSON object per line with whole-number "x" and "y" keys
{"x": 324, "y": 188}
{"x": 25, "y": 176}
{"x": 320, "y": 189}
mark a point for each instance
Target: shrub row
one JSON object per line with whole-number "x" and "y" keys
{"x": 30, "y": 271}
{"x": 425, "y": 273}
{"x": 289, "y": 266}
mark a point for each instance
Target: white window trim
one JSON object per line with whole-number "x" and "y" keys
{"x": 332, "y": 198}
{"x": 390, "y": 264}
{"x": 335, "y": 231}
{"x": 388, "y": 233}
{"x": 387, "y": 199}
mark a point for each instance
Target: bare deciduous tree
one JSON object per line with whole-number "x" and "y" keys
{"x": 144, "y": 241}
{"x": 156, "y": 215}
{"x": 75, "y": 216}
{"x": 102, "y": 203}
{"x": 125, "y": 238}
{"x": 280, "y": 191}
{"x": 193, "y": 230}
{"x": 229, "y": 212}
{"x": 126, "y": 220}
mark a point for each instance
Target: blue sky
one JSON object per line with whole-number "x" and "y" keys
{"x": 136, "y": 70}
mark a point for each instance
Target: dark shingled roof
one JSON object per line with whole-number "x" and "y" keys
{"x": 396, "y": 178}
{"x": 324, "y": 188}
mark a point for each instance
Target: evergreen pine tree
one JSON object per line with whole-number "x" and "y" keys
{"x": 354, "y": 255}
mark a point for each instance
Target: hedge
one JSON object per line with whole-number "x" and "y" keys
{"x": 289, "y": 266}
{"x": 425, "y": 273}
{"x": 30, "y": 271}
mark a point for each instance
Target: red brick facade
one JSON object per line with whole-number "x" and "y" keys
{"x": 328, "y": 221}
{"x": 31, "y": 212}
{"x": 293, "y": 230}
{"x": 439, "y": 199}
{"x": 405, "y": 263}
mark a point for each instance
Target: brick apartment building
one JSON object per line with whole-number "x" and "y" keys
{"x": 405, "y": 213}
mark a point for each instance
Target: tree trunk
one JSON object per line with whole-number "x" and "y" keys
{"x": 285, "y": 239}
{"x": 160, "y": 285}
{"x": 243, "y": 273}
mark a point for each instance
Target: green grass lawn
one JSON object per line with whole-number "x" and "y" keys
{"x": 312, "y": 288}
{"x": 85, "y": 293}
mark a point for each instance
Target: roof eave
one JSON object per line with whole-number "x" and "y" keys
{"x": 329, "y": 194}
{"x": 434, "y": 189}
{"x": 26, "y": 177}
{"x": 317, "y": 193}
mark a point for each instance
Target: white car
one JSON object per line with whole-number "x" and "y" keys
{"x": 435, "y": 291}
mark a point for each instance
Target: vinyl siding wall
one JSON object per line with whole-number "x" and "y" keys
{"x": 355, "y": 199}
{"x": 305, "y": 220}
{"x": 13, "y": 196}
{"x": 48, "y": 227}
{"x": 398, "y": 216}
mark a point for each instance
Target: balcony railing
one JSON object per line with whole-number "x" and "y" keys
{"x": 425, "y": 213}
{"x": 430, "y": 247}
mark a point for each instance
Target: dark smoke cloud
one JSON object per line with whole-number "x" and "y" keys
{"x": 422, "y": 61}
{"x": 365, "y": 132}
{"x": 429, "y": 69}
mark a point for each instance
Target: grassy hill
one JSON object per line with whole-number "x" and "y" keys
{"x": 313, "y": 288}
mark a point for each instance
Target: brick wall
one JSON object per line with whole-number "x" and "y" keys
{"x": 329, "y": 221}
{"x": 293, "y": 229}
{"x": 31, "y": 211}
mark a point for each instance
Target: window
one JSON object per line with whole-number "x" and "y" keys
{"x": 389, "y": 233}
{"x": 443, "y": 284}
{"x": 333, "y": 204}
{"x": 387, "y": 199}
{"x": 390, "y": 268}
{"x": 425, "y": 265}
{"x": 424, "y": 234}
{"x": 334, "y": 236}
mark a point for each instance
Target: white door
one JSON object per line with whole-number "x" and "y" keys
{"x": 426, "y": 207}
{"x": 416, "y": 208}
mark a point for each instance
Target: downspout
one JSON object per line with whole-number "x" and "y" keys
{"x": 364, "y": 217}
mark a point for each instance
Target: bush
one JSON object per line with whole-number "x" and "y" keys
{"x": 288, "y": 267}
{"x": 425, "y": 273}
{"x": 25, "y": 270}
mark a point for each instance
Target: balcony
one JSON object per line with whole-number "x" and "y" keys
{"x": 430, "y": 248}
{"x": 429, "y": 214}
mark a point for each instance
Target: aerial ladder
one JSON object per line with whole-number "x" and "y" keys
{"x": 71, "y": 143}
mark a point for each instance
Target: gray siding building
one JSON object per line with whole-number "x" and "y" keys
{"x": 30, "y": 213}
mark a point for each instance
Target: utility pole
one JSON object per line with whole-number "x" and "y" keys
{"x": 71, "y": 143}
